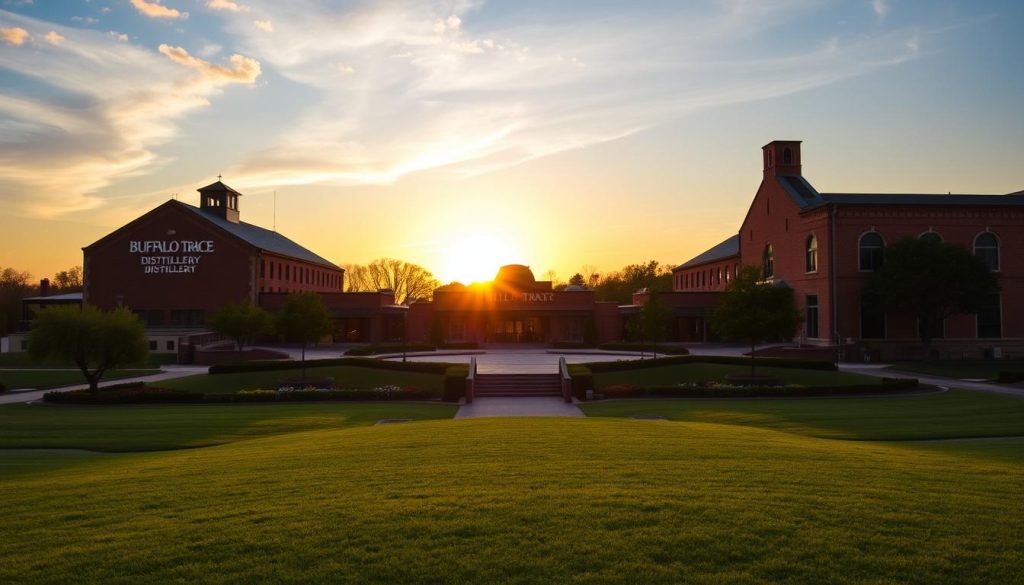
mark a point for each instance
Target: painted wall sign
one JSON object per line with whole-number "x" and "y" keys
{"x": 169, "y": 256}
{"x": 526, "y": 297}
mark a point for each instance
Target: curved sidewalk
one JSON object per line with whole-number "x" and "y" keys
{"x": 168, "y": 373}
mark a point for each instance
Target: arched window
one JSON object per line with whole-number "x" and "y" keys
{"x": 870, "y": 250}
{"x": 986, "y": 247}
{"x": 768, "y": 262}
{"x": 811, "y": 259}
{"x": 930, "y": 236}
{"x": 787, "y": 157}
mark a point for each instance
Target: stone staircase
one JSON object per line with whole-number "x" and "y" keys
{"x": 521, "y": 385}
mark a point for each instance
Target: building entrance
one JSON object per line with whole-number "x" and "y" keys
{"x": 518, "y": 330}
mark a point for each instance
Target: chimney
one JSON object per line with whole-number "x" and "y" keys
{"x": 781, "y": 158}
{"x": 220, "y": 200}
{"x": 44, "y": 287}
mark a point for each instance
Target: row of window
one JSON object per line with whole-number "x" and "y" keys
{"x": 707, "y": 278}
{"x": 872, "y": 320}
{"x": 155, "y": 318}
{"x": 298, "y": 274}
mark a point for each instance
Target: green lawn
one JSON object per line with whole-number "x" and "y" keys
{"x": 344, "y": 376}
{"x": 15, "y": 379}
{"x": 22, "y": 360}
{"x": 988, "y": 370}
{"x": 953, "y": 414}
{"x": 670, "y": 375}
{"x": 156, "y": 427}
{"x": 586, "y": 501}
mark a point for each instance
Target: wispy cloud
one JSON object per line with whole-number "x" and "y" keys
{"x": 14, "y": 35}
{"x": 881, "y": 8}
{"x": 264, "y": 25}
{"x": 54, "y": 38}
{"x": 157, "y": 10}
{"x": 225, "y": 5}
{"x": 107, "y": 105}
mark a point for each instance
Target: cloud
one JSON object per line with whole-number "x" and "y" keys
{"x": 344, "y": 69}
{"x": 264, "y": 25}
{"x": 157, "y": 10}
{"x": 225, "y": 5}
{"x": 117, "y": 36}
{"x": 242, "y": 70}
{"x": 14, "y": 35}
{"x": 881, "y": 8}
{"x": 86, "y": 20}
{"x": 54, "y": 38}
{"x": 103, "y": 108}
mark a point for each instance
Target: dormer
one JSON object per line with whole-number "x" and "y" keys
{"x": 220, "y": 200}
{"x": 781, "y": 158}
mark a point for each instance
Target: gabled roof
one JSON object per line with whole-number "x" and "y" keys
{"x": 261, "y": 238}
{"x": 726, "y": 249}
{"x": 218, "y": 186}
{"x": 800, "y": 190}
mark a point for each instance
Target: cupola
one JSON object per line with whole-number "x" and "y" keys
{"x": 220, "y": 200}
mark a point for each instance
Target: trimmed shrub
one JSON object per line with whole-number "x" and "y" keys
{"x": 340, "y": 394}
{"x": 270, "y": 366}
{"x": 617, "y": 366}
{"x": 123, "y": 394}
{"x": 459, "y": 345}
{"x": 572, "y": 345}
{"x": 652, "y": 347}
{"x": 455, "y": 382}
{"x": 582, "y": 380}
{"x": 394, "y": 348}
{"x": 3, "y": 388}
{"x": 715, "y": 390}
{"x": 1010, "y": 377}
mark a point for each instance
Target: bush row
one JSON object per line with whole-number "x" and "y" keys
{"x": 888, "y": 386}
{"x": 1010, "y": 377}
{"x": 455, "y": 382}
{"x": 652, "y": 347}
{"x": 390, "y": 348}
{"x": 270, "y": 366}
{"x": 2, "y": 388}
{"x": 124, "y": 394}
{"x": 798, "y": 364}
{"x": 153, "y": 395}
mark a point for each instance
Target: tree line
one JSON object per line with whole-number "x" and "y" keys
{"x": 16, "y": 285}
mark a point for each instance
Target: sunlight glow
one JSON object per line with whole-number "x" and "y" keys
{"x": 475, "y": 256}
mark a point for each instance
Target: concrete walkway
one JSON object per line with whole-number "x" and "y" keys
{"x": 168, "y": 373}
{"x": 541, "y": 406}
{"x": 881, "y": 371}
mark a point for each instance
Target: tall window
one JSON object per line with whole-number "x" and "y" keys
{"x": 812, "y": 316}
{"x": 990, "y": 319}
{"x": 872, "y": 320}
{"x": 930, "y": 237}
{"x": 811, "y": 260}
{"x": 768, "y": 262}
{"x": 787, "y": 157}
{"x": 986, "y": 247}
{"x": 870, "y": 249}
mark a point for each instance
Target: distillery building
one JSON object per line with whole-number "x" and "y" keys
{"x": 826, "y": 246}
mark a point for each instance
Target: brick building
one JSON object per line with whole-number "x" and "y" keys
{"x": 826, "y": 245}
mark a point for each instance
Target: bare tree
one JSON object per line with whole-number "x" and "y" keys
{"x": 70, "y": 280}
{"x": 591, "y": 275}
{"x": 14, "y": 286}
{"x": 410, "y": 282}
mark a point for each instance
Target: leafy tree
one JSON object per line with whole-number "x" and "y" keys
{"x": 96, "y": 341}
{"x": 620, "y": 286}
{"x": 410, "y": 282}
{"x": 304, "y": 319}
{"x": 14, "y": 286}
{"x": 68, "y": 281}
{"x": 243, "y": 322}
{"x": 577, "y": 280}
{"x": 756, "y": 310}
{"x": 932, "y": 280}
{"x": 655, "y": 316}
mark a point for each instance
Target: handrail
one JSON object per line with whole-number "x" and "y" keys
{"x": 471, "y": 380}
{"x": 566, "y": 379}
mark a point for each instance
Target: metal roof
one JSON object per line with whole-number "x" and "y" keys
{"x": 262, "y": 238}
{"x": 799, "y": 190}
{"x": 730, "y": 247}
{"x": 218, "y": 186}
{"x": 922, "y": 199}
{"x": 64, "y": 298}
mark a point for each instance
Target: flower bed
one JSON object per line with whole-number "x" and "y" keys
{"x": 725, "y": 390}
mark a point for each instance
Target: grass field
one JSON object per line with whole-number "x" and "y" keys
{"x": 158, "y": 427}
{"x": 15, "y": 379}
{"x": 945, "y": 415}
{"x": 988, "y": 369}
{"x": 588, "y": 501}
{"x": 344, "y": 376}
{"x": 669, "y": 375}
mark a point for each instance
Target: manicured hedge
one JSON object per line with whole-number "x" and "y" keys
{"x": 390, "y": 348}
{"x": 888, "y": 386}
{"x": 270, "y": 366}
{"x": 618, "y": 366}
{"x": 122, "y": 394}
{"x": 459, "y": 345}
{"x": 572, "y": 345}
{"x": 1010, "y": 377}
{"x": 318, "y": 395}
{"x": 455, "y": 382}
{"x": 3, "y": 388}
{"x": 652, "y": 347}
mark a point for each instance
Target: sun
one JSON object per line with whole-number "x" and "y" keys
{"x": 476, "y": 256}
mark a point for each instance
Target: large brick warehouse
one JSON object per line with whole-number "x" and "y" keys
{"x": 826, "y": 245}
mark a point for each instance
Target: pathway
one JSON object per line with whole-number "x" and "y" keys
{"x": 543, "y": 406}
{"x": 880, "y": 370}
{"x": 168, "y": 373}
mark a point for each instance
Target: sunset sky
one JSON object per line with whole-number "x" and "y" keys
{"x": 465, "y": 135}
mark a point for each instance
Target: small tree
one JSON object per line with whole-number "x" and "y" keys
{"x": 932, "y": 280}
{"x": 304, "y": 319}
{"x": 655, "y": 317}
{"x": 756, "y": 310}
{"x": 96, "y": 341}
{"x": 243, "y": 322}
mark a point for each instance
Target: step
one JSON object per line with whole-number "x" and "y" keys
{"x": 521, "y": 385}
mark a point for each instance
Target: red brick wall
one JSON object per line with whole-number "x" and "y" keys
{"x": 712, "y": 276}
